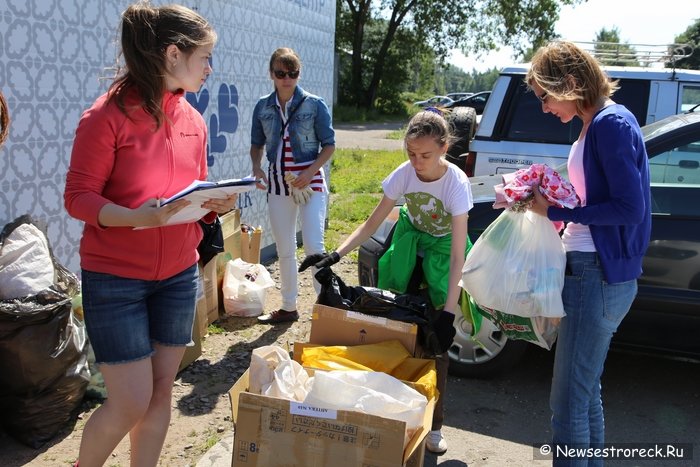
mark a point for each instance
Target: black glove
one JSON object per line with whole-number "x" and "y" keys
{"x": 445, "y": 330}
{"x": 319, "y": 260}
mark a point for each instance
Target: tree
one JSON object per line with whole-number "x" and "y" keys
{"x": 691, "y": 40}
{"x": 610, "y": 51}
{"x": 475, "y": 26}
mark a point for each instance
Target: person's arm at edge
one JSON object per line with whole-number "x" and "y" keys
{"x": 305, "y": 177}
{"x": 256, "y": 155}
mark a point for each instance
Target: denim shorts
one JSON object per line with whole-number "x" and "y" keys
{"x": 124, "y": 317}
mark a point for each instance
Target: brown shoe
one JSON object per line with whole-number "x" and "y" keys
{"x": 279, "y": 316}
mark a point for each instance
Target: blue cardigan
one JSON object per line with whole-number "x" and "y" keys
{"x": 618, "y": 195}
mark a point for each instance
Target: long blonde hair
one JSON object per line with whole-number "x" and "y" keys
{"x": 568, "y": 73}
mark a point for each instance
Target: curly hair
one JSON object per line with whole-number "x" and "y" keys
{"x": 568, "y": 73}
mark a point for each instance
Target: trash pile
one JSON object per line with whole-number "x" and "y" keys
{"x": 43, "y": 344}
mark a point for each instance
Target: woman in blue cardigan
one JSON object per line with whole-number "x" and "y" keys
{"x": 605, "y": 238}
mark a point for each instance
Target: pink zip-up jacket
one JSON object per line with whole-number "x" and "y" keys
{"x": 126, "y": 161}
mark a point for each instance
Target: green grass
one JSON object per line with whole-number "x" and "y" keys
{"x": 215, "y": 329}
{"x": 351, "y": 114}
{"x": 356, "y": 188}
{"x": 355, "y": 171}
{"x": 397, "y": 134}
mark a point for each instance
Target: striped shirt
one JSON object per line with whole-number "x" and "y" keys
{"x": 284, "y": 162}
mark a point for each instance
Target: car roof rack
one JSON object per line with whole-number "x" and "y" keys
{"x": 646, "y": 55}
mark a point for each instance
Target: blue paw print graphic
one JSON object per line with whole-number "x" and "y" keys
{"x": 200, "y": 100}
{"x": 228, "y": 108}
{"x": 223, "y": 120}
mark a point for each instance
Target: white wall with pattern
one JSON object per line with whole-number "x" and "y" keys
{"x": 55, "y": 57}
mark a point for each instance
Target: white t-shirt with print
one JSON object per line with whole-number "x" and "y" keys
{"x": 430, "y": 205}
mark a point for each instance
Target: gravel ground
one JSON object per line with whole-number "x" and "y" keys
{"x": 201, "y": 410}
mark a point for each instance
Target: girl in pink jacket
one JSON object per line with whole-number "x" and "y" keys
{"x": 138, "y": 143}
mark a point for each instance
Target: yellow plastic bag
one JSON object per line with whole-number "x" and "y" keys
{"x": 389, "y": 357}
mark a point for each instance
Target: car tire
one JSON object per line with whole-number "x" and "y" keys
{"x": 462, "y": 122}
{"x": 494, "y": 356}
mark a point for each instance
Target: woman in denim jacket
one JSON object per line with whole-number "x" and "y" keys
{"x": 289, "y": 126}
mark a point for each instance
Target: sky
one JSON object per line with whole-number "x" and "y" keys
{"x": 638, "y": 22}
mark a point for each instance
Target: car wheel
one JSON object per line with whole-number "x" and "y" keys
{"x": 488, "y": 354}
{"x": 462, "y": 122}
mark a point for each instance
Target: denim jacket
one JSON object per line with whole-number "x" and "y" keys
{"x": 310, "y": 126}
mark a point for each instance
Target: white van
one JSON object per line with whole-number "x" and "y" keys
{"x": 514, "y": 132}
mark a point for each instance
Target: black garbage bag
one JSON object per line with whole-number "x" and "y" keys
{"x": 436, "y": 328}
{"x": 43, "y": 357}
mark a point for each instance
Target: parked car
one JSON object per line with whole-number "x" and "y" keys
{"x": 476, "y": 101}
{"x": 435, "y": 101}
{"x": 455, "y": 96}
{"x": 665, "y": 316}
{"x": 514, "y": 132}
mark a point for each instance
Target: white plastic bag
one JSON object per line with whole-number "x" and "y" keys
{"x": 274, "y": 373}
{"x": 244, "y": 288}
{"x": 517, "y": 266}
{"x": 371, "y": 392}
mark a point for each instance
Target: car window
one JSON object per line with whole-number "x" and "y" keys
{"x": 675, "y": 179}
{"x": 690, "y": 97}
{"x": 528, "y": 123}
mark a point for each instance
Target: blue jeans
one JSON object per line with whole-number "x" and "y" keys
{"x": 124, "y": 317}
{"x": 594, "y": 310}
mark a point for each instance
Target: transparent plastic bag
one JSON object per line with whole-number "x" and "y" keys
{"x": 244, "y": 288}
{"x": 517, "y": 266}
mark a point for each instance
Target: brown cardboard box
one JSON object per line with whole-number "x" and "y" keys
{"x": 211, "y": 284}
{"x": 231, "y": 229}
{"x": 192, "y": 353}
{"x": 333, "y": 326}
{"x": 250, "y": 245}
{"x": 271, "y": 432}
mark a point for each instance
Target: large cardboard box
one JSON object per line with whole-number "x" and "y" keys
{"x": 231, "y": 229}
{"x": 210, "y": 283}
{"x": 333, "y": 326}
{"x": 271, "y": 432}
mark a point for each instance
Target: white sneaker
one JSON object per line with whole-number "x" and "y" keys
{"x": 435, "y": 442}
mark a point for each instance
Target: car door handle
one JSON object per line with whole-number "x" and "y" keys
{"x": 686, "y": 164}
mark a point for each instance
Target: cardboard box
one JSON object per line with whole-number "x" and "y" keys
{"x": 210, "y": 286}
{"x": 333, "y": 326}
{"x": 231, "y": 229}
{"x": 271, "y": 431}
{"x": 192, "y": 353}
{"x": 250, "y": 244}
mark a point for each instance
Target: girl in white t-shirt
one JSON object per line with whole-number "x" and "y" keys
{"x": 433, "y": 220}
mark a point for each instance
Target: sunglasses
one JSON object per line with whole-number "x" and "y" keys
{"x": 280, "y": 74}
{"x": 543, "y": 97}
